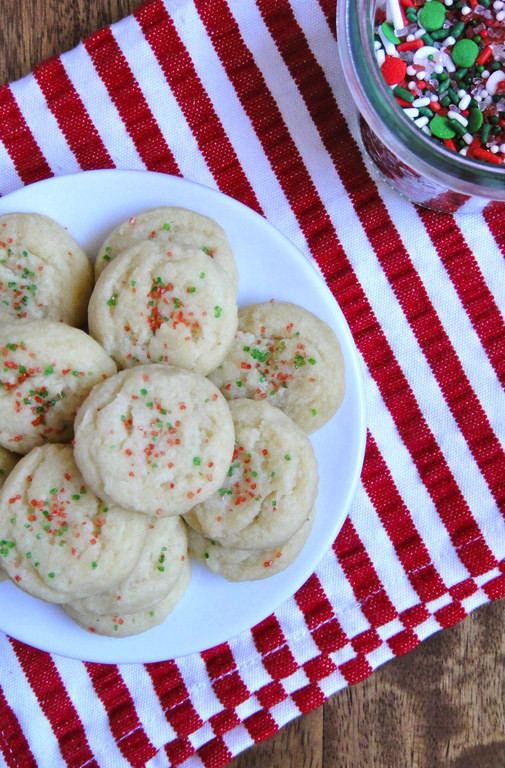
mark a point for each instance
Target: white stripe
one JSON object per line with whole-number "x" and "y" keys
{"x": 90, "y": 711}
{"x": 23, "y": 702}
{"x": 147, "y": 704}
{"x": 486, "y": 251}
{"x": 236, "y": 124}
{"x": 100, "y": 108}
{"x": 413, "y": 491}
{"x": 238, "y": 739}
{"x": 382, "y": 554}
{"x": 252, "y": 671}
{"x": 44, "y": 126}
{"x": 10, "y": 179}
{"x": 162, "y": 103}
{"x": 196, "y": 679}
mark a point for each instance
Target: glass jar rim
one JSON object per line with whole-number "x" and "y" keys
{"x": 376, "y": 103}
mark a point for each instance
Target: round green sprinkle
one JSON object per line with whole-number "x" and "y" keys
{"x": 432, "y": 15}
{"x": 439, "y": 126}
{"x": 465, "y": 52}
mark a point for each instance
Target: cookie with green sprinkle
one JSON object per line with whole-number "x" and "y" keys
{"x": 160, "y": 304}
{"x": 168, "y": 225}
{"x": 58, "y": 541}
{"x": 121, "y": 624}
{"x": 46, "y": 371}
{"x": 271, "y": 484}
{"x": 236, "y": 564}
{"x": 44, "y": 272}
{"x": 284, "y": 354}
{"x": 155, "y": 438}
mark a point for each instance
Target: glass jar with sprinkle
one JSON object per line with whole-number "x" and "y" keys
{"x": 428, "y": 81}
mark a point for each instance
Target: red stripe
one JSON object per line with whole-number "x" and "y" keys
{"x": 399, "y": 526}
{"x": 261, "y": 725}
{"x": 270, "y": 642}
{"x": 495, "y": 220}
{"x": 71, "y": 115}
{"x": 13, "y": 745}
{"x": 128, "y": 99}
{"x": 410, "y": 292}
{"x": 215, "y": 754}
{"x": 174, "y": 699}
{"x": 366, "y": 585}
{"x": 29, "y": 162}
{"x": 179, "y": 71}
{"x": 319, "y": 616}
{"x": 123, "y": 719}
{"x": 224, "y": 675}
{"x": 470, "y": 285}
{"x": 55, "y": 703}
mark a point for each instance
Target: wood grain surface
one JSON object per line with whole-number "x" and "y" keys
{"x": 441, "y": 705}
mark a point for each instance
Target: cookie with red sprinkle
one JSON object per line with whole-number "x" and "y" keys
{"x": 44, "y": 272}
{"x": 284, "y": 354}
{"x": 58, "y": 541}
{"x": 155, "y": 439}
{"x": 271, "y": 484}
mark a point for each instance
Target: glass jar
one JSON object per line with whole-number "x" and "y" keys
{"x": 415, "y": 165}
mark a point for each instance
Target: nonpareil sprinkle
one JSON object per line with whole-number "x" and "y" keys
{"x": 445, "y": 65}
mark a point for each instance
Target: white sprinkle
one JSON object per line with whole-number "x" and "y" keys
{"x": 389, "y": 47}
{"x": 502, "y": 148}
{"x": 484, "y": 94}
{"x": 411, "y": 71}
{"x": 411, "y": 85}
{"x": 380, "y": 56}
{"x": 422, "y": 75}
{"x": 452, "y": 115}
{"x": 465, "y": 10}
{"x": 493, "y": 80}
{"x": 467, "y": 138}
{"x": 461, "y": 93}
{"x": 420, "y": 33}
{"x": 500, "y": 16}
{"x": 463, "y": 151}
{"x": 422, "y": 101}
{"x": 448, "y": 3}
{"x": 426, "y": 129}
{"x": 394, "y": 13}
{"x": 498, "y": 5}
{"x": 439, "y": 69}
{"x": 377, "y": 45}
{"x": 485, "y": 73}
{"x": 410, "y": 38}
{"x": 421, "y": 121}
{"x": 411, "y": 112}
{"x": 465, "y": 102}
{"x": 494, "y": 149}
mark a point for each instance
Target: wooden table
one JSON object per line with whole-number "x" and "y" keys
{"x": 442, "y": 705}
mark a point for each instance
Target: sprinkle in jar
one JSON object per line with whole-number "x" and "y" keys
{"x": 445, "y": 64}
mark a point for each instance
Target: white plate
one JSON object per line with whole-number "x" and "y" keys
{"x": 89, "y": 205}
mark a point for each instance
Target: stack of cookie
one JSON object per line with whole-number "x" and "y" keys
{"x": 173, "y": 427}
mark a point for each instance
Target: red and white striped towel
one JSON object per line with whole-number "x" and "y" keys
{"x": 248, "y": 98}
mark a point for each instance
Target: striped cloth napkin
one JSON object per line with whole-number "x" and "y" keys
{"x": 248, "y": 98}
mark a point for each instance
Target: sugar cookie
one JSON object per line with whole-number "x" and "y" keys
{"x": 285, "y": 354}
{"x": 154, "y": 305}
{"x": 249, "y": 564}
{"x": 126, "y": 624}
{"x": 168, "y": 225}
{"x": 46, "y": 371}
{"x": 155, "y": 439}
{"x": 58, "y": 541}
{"x": 271, "y": 484}
{"x": 44, "y": 272}
{"x": 153, "y": 575}
{"x": 8, "y": 461}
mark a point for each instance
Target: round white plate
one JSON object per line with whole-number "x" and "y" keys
{"x": 89, "y": 205}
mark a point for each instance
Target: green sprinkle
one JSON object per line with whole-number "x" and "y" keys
{"x": 432, "y": 15}
{"x": 53, "y": 490}
{"x": 313, "y": 412}
{"x": 402, "y": 93}
{"x": 287, "y": 457}
{"x": 51, "y": 574}
{"x": 217, "y": 311}
{"x": 440, "y": 127}
{"x": 197, "y": 461}
{"x": 112, "y": 301}
{"x": 166, "y": 226}
{"x": 206, "y": 555}
{"x": 464, "y": 52}
{"x": 389, "y": 33}
{"x": 49, "y": 370}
